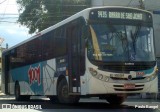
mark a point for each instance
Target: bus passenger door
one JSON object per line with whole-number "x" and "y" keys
{"x": 73, "y": 59}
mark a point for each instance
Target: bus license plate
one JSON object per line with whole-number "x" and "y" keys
{"x": 129, "y": 86}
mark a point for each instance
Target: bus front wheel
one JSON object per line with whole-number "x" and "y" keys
{"x": 63, "y": 94}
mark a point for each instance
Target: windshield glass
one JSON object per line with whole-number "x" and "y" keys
{"x": 121, "y": 43}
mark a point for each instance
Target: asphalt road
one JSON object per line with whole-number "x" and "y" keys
{"x": 90, "y": 104}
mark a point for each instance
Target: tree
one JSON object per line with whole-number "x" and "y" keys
{"x": 40, "y": 14}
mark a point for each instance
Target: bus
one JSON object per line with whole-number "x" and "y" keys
{"x": 105, "y": 52}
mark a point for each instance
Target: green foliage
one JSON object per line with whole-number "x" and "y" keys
{"x": 40, "y": 14}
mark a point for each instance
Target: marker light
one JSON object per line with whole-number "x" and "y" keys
{"x": 157, "y": 71}
{"x": 106, "y": 79}
{"x": 153, "y": 76}
{"x": 98, "y": 76}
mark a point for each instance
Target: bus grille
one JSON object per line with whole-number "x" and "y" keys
{"x": 121, "y": 88}
{"x": 122, "y": 68}
{"x": 137, "y": 78}
{"x": 138, "y": 89}
{"x": 125, "y": 69}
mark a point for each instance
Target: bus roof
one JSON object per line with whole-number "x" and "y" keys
{"x": 84, "y": 13}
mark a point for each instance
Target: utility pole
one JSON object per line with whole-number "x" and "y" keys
{"x": 141, "y": 4}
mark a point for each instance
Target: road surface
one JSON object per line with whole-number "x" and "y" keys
{"x": 41, "y": 104}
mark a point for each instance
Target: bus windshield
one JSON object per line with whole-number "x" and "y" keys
{"x": 110, "y": 43}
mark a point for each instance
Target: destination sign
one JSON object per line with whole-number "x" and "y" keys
{"x": 122, "y": 14}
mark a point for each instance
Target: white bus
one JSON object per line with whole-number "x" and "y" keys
{"x": 105, "y": 52}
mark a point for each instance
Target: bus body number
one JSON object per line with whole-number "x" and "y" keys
{"x": 34, "y": 75}
{"x": 139, "y": 74}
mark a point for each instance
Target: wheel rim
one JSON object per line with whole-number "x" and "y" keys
{"x": 65, "y": 91}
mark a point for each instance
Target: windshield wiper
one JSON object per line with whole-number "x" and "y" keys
{"x": 135, "y": 36}
{"x": 120, "y": 35}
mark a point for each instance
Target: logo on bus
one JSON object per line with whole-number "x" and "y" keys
{"x": 139, "y": 74}
{"x": 34, "y": 75}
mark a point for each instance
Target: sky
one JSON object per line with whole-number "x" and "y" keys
{"x": 12, "y": 32}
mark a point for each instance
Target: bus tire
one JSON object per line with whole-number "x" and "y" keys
{"x": 63, "y": 95}
{"x": 115, "y": 99}
{"x": 18, "y": 97}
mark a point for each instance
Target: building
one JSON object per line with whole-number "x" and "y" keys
{"x": 1, "y": 49}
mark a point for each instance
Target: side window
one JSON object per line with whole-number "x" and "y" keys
{"x": 31, "y": 52}
{"x": 60, "y": 41}
{"x": 38, "y": 47}
{"x": 12, "y": 58}
{"x": 21, "y": 55}
{"x": 48, "y": 43}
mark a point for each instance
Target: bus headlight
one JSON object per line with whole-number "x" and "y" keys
{"x": 98, "y": 76}
{"x": 148, "y": 79}
{"x": 153, "y": 76}
{"x": 157, "y": 71}
{"x": 93, "y": 72}
{"x": 106, "y": 79}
